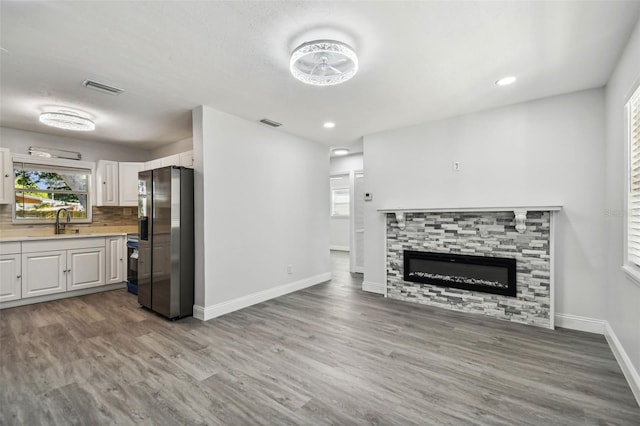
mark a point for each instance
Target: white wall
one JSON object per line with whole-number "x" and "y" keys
{"x": 345, "y": 163}
{"x": 623, "y": 296}
{"x": 264, "y": 207}
{"x": 339, "y": 234}
{"x": 19, "y": 141}
{"x": 546, "y": 152}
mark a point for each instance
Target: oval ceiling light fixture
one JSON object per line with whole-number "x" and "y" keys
{"x": 340, "y": 151}
{"x": 323, "y": 62}
{"x": 329, "y": 125}
{"x": 505, "y": 81}
{"x": 67, "y": 120}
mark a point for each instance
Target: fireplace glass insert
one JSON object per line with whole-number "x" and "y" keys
{"x": 496, "y": 275}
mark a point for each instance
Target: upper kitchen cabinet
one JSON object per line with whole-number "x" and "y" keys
{"x": 128, "y": 183}
{"x": 107, "y": 183}
{"x": 171, "y": 160}
{"x": 117, "y": 183}
{"x": 6, "y": 176}
{"x": 184, "y": 159}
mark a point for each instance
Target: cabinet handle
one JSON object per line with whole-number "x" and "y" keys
{"x": 68, "y": 270}
{"x": 6, "y": 175}
{"x": 19, "y": 276}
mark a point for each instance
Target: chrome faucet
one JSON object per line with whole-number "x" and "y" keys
{"x": 59, "y": 226}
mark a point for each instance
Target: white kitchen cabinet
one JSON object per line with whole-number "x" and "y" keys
{"x": 171, "y": 160}
{"x": 115, "y": 260}
{"x": 107, "y": 183}
{"x": 186, "y": 159}
{"x": 6, "y": 177}
{"x": 44, "y": 273}
{"x": 10, "y": 277}
{"x": 54, "y": 266}
{"x": 85, "y": 268}
{"x": 128, "y": 183}
{"x": 153, "y": 164}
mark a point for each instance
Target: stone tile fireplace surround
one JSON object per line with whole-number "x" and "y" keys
{"x": 523, "y": 233}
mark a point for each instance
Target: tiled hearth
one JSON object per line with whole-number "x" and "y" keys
{"x": 479, "y": 233}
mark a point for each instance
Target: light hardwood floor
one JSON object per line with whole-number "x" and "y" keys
{"x": 330, "y": 354}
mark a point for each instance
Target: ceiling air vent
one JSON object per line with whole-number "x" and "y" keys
{"x": 102, "y": 87}
{"x": 270, "y": 122}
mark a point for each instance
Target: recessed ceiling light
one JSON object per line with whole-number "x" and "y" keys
{"x": 329, "y": 125}
{"x": 67, "y": 121}
{"x": 505, "y": 81}
{"x": 340, "y": 151}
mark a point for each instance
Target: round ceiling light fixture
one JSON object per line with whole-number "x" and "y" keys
{"x": 340, "y": 151}
{"x": 67, "y": 120}
{"x": 505, "y": 81}
{"x": 323, "y": 62}
{"x": 329, "y": 125}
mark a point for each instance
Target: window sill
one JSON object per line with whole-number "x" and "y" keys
{"x": 632, "y": 274}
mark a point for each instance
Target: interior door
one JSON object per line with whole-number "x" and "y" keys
{"x": 357, "y": 223}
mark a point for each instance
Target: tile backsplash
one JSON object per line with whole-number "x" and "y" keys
{"x": 116, "y": 219}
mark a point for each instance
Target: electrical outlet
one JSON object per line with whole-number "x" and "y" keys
{"x": 289, "y": 269}
{"x": 456, "y": 166}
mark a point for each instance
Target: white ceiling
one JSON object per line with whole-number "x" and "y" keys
{"x": 419, "y": 61}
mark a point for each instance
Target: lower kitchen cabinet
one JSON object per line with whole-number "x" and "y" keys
{"x": 33, "y": 267}
{"x": 85, "y": 268}
{"x": 10, "y": 277}
{"x": 116, "y": 250}
{"x": 44, "y": 273}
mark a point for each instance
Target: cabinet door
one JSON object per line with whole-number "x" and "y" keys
{"x": 107, "y": 183}
{"x": 115, "y": 260}
{"x": 10, "y": 277}
{"x": 44, "y": 273}
{"x": 172, "y": 160}
{"x": 186, "y": 159}
{"x": 85, "y": 268}
{"x": 153, "y": 164}
{"x": 128, "y": 183}
{"x": 6, "y": 177}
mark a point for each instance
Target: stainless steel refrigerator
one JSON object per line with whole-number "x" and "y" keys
{"x": 165, "y": 247}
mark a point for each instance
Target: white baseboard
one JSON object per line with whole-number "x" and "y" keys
{"x": 575, "y": 322}
{"x": 339, "y": 248}
{"x": 209, "y": 312}
{"x": 593, "y": 325}
{"x": 629, "y": 371}
{"x": 373, "y": 287}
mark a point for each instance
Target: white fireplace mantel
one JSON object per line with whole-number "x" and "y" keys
{"x": 520, "y": 212}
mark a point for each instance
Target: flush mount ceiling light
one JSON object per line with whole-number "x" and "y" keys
{"x": 67, "y": 120}
{"x": 340, "y": 151}
{"x": 505, "y": 81}
{"x": 323, "y": 63}
{"x": 329, "y": 125}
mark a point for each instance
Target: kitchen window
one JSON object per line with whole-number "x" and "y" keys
{"x": 41, "y": 189}
{"x": 632, "y": 262}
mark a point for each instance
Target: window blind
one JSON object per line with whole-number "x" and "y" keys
{"x": 633, "y": 200}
